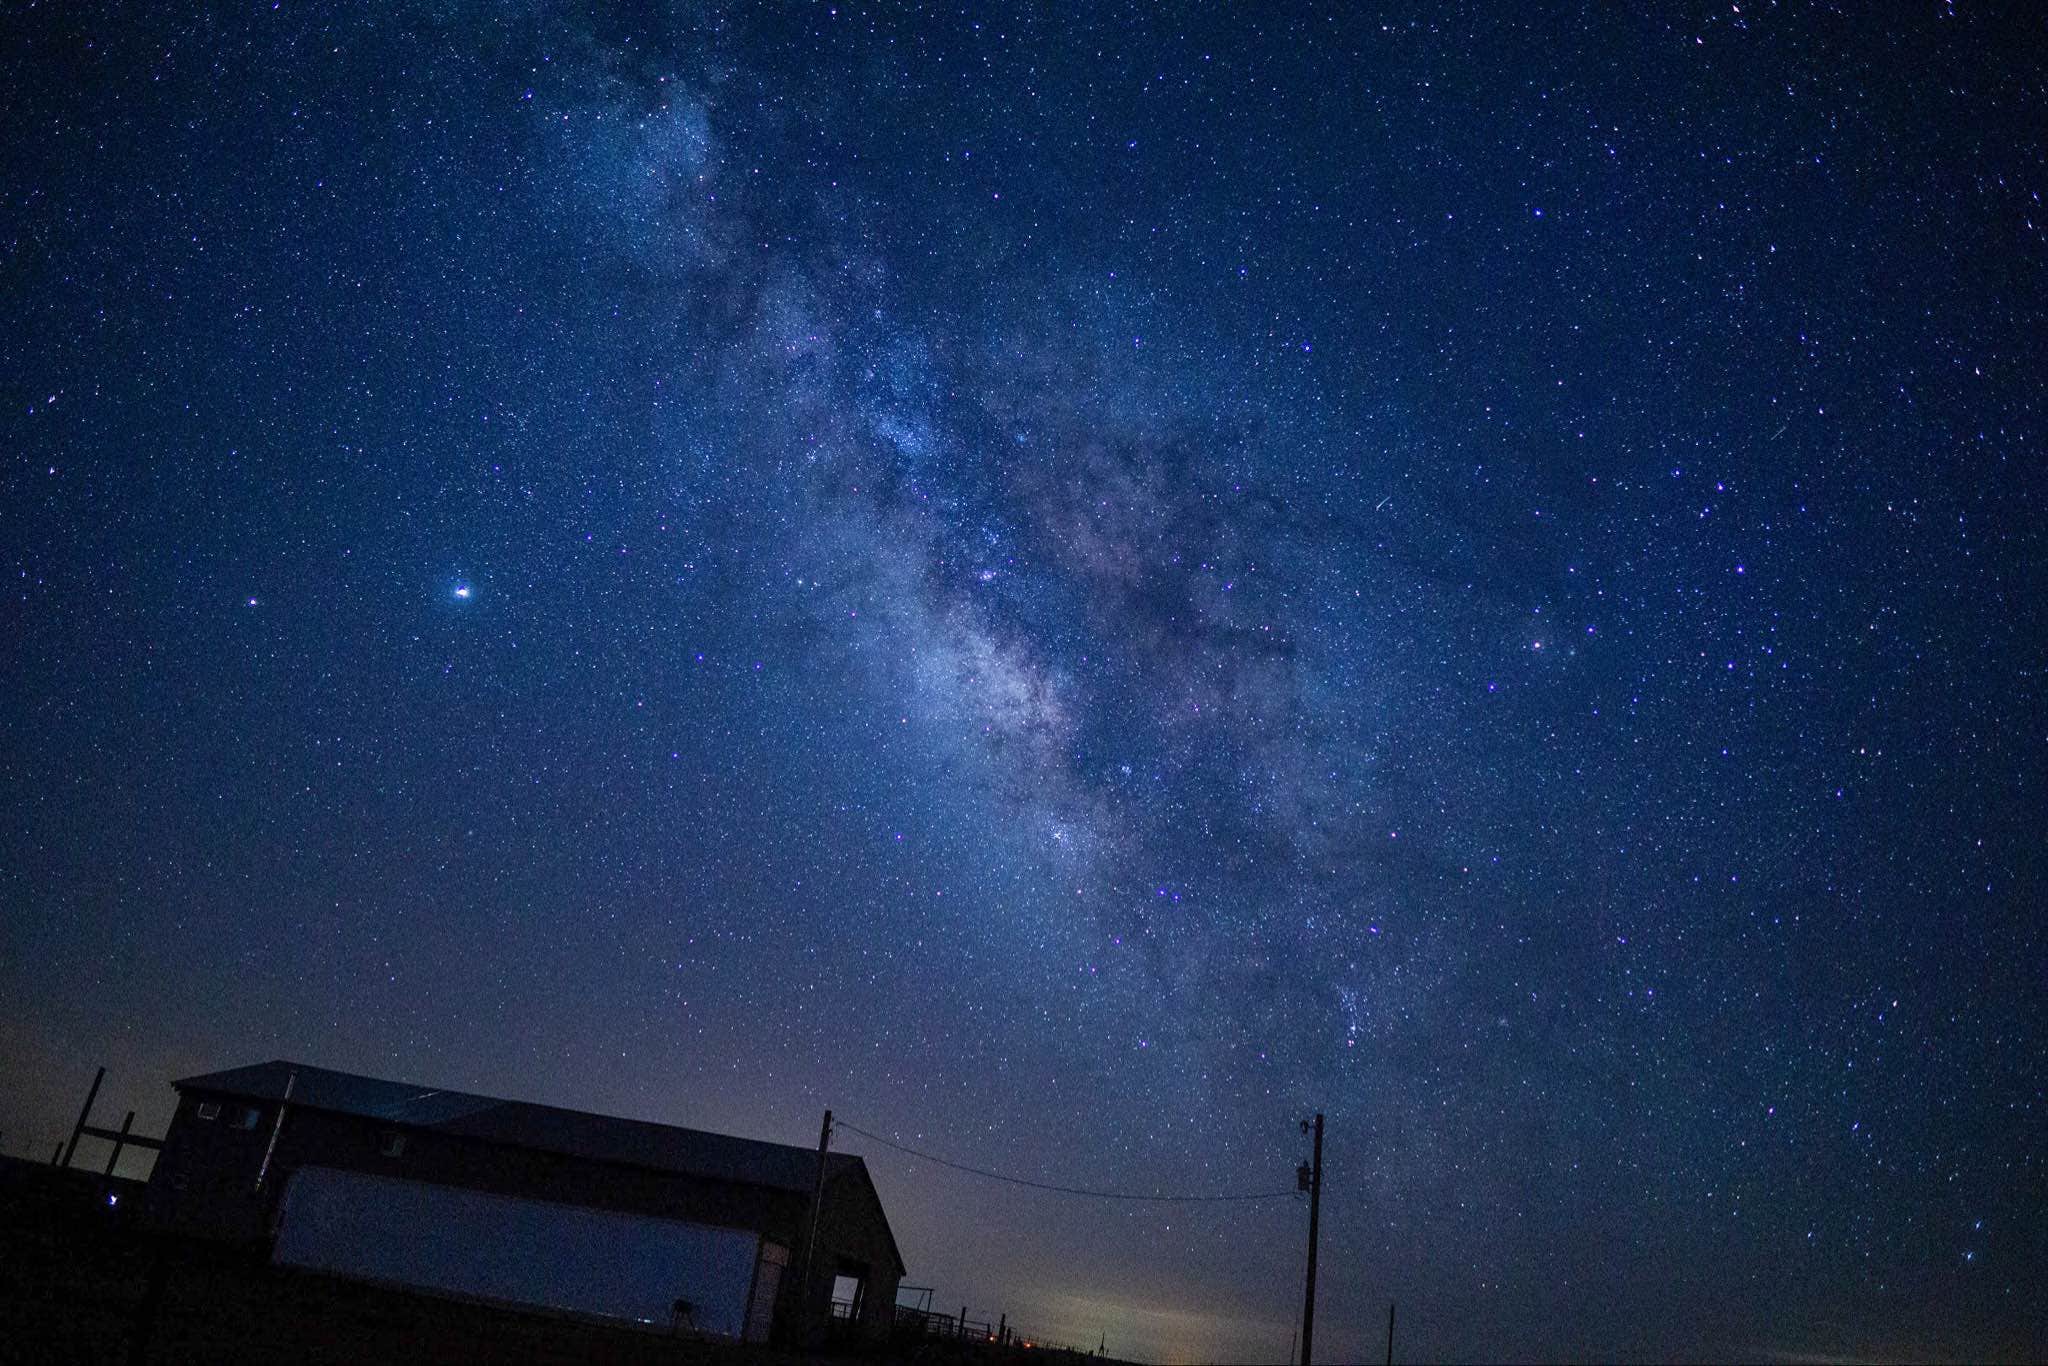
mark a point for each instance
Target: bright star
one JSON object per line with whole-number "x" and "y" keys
{"x": 461, "y": 590}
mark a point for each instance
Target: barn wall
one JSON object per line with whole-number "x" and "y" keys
{"x": 515, "y": 1250}
{"x": 851, "y": 1227}
{"x": 209, "y": 1171}
{"x": 205, "y": 1177}
{"x": 204, "y": 1181}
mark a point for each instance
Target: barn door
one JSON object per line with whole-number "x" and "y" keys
{"x": 767, "y": 1282}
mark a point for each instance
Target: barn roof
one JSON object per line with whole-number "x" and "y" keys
{"x": 517, "y": 1123}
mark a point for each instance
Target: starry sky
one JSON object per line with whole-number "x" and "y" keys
{"x": 1076, "y": 584}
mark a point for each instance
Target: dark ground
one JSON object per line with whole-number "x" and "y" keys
{"x": 75, "y": 1286}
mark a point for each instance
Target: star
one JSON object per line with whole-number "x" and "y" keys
{"x": 713, "y": 372}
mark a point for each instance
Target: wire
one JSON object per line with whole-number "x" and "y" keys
{"x": 1048, "y": 1186}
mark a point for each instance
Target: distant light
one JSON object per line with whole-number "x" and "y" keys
{"x": 112, "y": 1198}
{"x": 462, "y": 590}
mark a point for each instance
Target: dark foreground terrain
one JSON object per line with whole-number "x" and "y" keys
{"x": 80, "y": 1281}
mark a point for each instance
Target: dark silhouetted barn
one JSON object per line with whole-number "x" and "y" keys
{"x": 524, "y": 1204}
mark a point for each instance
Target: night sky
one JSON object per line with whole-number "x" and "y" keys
{"x": 1076, "y": 586}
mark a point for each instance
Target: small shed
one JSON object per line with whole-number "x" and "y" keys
{"x": 525, "y": 1204}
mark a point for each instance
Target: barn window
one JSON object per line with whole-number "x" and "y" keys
{"x": 848, "y": 1289}
{"x": 391, "y": 1143}
{"x": 209, "y": 1109}
{"x": 247, "y": 1117}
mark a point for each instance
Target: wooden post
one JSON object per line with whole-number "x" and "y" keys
{"x": 1390, "y": 1333}
{"x": 121, "y": 1142}
{"x": 83, "y": 1115}
{"x": 291, "y": 1079}
{"x": 804, "y": 1286}
{"x": 1315, "y": 1209}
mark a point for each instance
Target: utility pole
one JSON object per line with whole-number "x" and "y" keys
{"x": 1315, "y": 1211}
{"x": 811, "y": 1240}
{"x": 1390, "y": 1333}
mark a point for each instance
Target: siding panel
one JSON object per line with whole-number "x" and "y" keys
{"x": 498, "y": 1247}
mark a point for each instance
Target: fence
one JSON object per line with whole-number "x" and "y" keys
{"x": 921, "y": 1321}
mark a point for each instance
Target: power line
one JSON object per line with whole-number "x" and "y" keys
{"x": 1063, "y": 1190}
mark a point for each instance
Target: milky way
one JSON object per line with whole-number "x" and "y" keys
{"x": 1076, "y": 590}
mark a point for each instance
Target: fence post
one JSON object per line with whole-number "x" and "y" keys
{"x": 84, "y": 1114}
